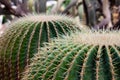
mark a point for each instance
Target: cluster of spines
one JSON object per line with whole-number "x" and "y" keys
{"x": 24, "y": 38}
{"x": 73, "y": 61}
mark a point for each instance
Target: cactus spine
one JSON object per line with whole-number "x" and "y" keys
{"x": 75, "y": 58}
{"x": 25, "y": 37}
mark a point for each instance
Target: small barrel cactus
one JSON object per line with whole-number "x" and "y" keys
{"x": 82, "y": 56}
{"x": 25, "y": 37}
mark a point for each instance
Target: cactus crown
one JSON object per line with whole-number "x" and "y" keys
{"x": 25, "y": 37}
{"x": 46, "y": 18}
{"x": 98, "y": 38}
{"x": 75, "y": 58}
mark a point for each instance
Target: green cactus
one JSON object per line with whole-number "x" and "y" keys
{"x": 25, "y": 37}
{"x": 82, "y": 56}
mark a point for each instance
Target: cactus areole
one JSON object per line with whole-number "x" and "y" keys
{"x": 25, "y": 37}
{"x": 82, "y": 56}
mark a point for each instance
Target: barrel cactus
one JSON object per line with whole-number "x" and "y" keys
{"x": 82, "y": 56}
{"x": 25, "y": 37}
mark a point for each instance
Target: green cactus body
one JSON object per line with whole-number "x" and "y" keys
{"x": 82, "y": 56}
{"x": 25, "y": 37}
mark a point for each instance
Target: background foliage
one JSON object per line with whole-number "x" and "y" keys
{"x": 95, "y": 13}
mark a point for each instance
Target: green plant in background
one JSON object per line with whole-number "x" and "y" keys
{"x": 82, "y": 56}
{"x": 25, "y": 37}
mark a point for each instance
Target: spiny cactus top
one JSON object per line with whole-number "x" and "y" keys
{"x": 25, "y": 37}
{"x": 83, "y": 56}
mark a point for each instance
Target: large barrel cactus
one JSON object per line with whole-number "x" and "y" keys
{"x": 25, "y": 37}
{"x": 83, "y": 56}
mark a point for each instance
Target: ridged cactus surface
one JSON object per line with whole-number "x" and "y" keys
{"x": 25, "y": 37}
{"x": 83, "y": 56}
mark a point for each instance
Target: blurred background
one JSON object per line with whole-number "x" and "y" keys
{"x": 95, "y": 14}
